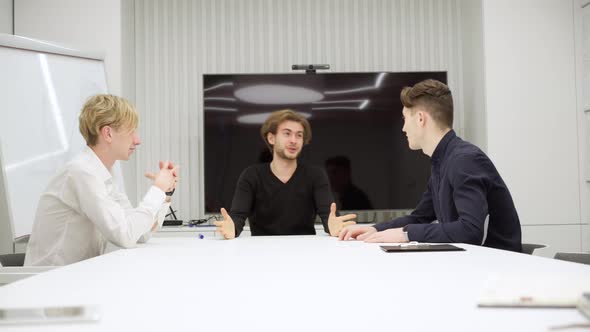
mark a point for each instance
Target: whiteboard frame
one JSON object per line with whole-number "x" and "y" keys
{"x": 30, "y": 44}
{"x": 7, "y": 230}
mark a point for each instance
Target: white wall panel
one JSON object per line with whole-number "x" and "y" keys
{"x": 177, "y": 41}
{"x": 81, "y": 24}
{"x": 6, "y": 16}
{"x": 473, "y": 74}
{"x": 582, "y": 19}
{"x": 557, "y": 238}
{"x": 583, "y": 62}
{"x": 531, "y": 106}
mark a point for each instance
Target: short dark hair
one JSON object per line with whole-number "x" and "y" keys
{"x": 276, "y": 118}
{"x": 436, "y": 98}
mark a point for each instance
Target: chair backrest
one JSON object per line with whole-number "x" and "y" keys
{"x": 12, "y": 260}
{"x": 528, "y": 248}
{"x": 576, "y": 257}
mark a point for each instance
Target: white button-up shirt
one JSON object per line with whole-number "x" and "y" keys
{"x": 83, "y": 209}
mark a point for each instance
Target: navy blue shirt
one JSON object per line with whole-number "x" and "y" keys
{"x": 464, "y": 189}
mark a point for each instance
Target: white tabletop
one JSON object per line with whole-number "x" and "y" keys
{"x": 290, "y": 283}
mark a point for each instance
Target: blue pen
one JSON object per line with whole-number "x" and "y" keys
{"x": 201, "y": 236}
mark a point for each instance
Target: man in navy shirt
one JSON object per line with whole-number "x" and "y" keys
{"x": 466, "y": 200}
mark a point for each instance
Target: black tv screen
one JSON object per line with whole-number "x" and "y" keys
{"x": 356, "y": 121}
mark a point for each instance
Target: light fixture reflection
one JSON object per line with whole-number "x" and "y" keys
{"x": 220, "y": 109}
{"x": 277, "y": 94}
{"x": 57, "y": 115}
{"x": 378, "y": 81}
{"x": 259, "y": 118}
{"x": 53, "y": 100}
{"x": 363, "y": 103}
{"x": 220, "y": 98}
{"x": 328, "y": 108}
{"x": 218, "y": 86}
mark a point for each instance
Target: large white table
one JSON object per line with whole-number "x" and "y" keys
{"x": 304, "y": 283}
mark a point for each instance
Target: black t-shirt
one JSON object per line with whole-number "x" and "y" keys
{"x": 276, "y": 208}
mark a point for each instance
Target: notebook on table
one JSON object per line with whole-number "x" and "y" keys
{"x": 533, "y": 291}
{"x": 420, "y": 247}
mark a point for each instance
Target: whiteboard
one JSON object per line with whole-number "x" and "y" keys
{"x": 42, "y": 89}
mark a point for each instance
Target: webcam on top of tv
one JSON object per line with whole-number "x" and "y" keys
{"x": 309, "y": 69}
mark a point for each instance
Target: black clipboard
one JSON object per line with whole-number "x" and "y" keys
{"x": 410, "y": 247}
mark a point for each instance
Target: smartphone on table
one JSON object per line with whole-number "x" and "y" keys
{"x": 45, "y": 315}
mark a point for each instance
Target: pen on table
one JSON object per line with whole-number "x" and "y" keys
{"x": 412, "y": 244}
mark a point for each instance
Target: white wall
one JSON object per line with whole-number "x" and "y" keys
{"x": 6, "y": 16}
{"x": 177, "y": 41}
{"x": 473, "y": 73}
{"x": 583, "y": 43}
{"x": 82, "y": 24}
{"x": 86, "y": 25}
{"x": 532, "y": 113}
{"x": 5, "y": 228}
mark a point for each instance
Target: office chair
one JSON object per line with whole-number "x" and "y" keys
{"x": 528, "y": 248}
{"x": 12, "y": 260}
{"x": 576, "y": 257}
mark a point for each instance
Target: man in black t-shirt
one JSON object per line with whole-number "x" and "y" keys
{"x": 283, "y": 197}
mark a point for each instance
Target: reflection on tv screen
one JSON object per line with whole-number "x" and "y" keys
{"x": 356, "y": 126}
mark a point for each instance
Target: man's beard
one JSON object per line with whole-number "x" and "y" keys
{"x": 281, "y": 153}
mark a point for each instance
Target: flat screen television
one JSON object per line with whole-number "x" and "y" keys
{"x": 356, "y": 121}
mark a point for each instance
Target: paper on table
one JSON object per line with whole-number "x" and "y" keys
{"x": 542, "y": 291}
